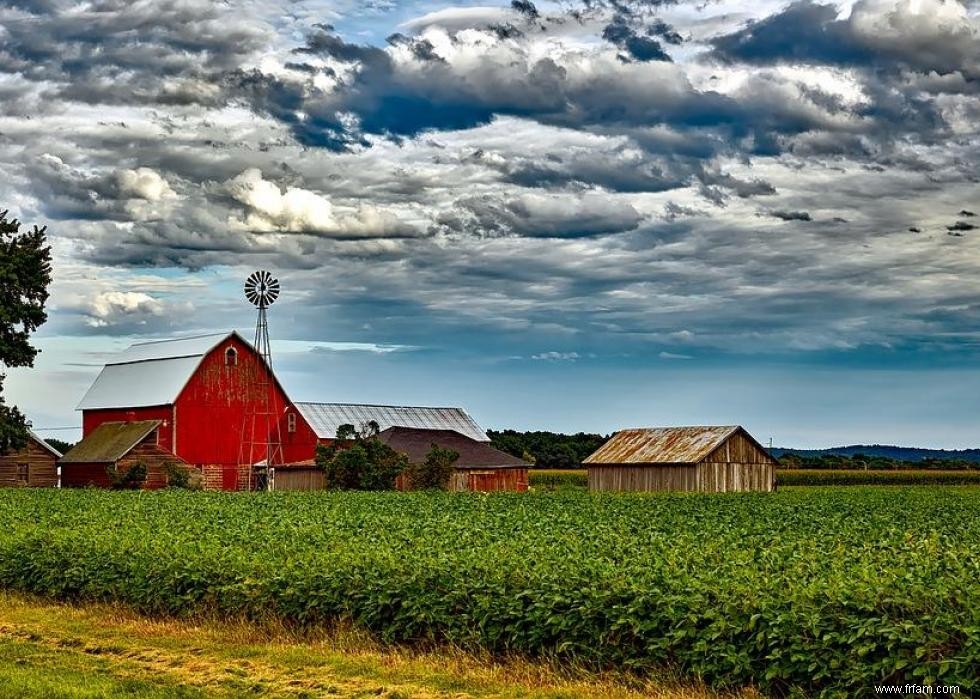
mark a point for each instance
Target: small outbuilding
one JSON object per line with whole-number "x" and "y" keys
{"x": 696, "y": 459}
{"x": 117, "y": 447}
{"x": 479, "y": 468}
{"x": 300, "y": 475}
{"x": 34, "y": 466}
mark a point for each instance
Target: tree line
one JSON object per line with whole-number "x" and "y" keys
{"x": 548, "y": 449}
{"x": 871, "y": 463}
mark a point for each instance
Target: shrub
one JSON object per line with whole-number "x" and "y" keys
{"x": 433, "y": 473}
{"x": 132, "y": 478}
{"x": 360, "y": 461}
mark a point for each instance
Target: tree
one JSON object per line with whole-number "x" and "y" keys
{"x": 60, "y": 444}
{"x": 25, "y": 273}
{"x": 433, "y": 473}
{"x": 358, "y": 460}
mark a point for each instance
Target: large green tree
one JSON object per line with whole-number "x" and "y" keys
{"x": 25, "y": 273}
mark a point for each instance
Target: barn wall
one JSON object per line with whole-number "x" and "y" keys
{"x": 738, "y": 449}
{"x": 643, "y": 478}
{"x": 227, "y": 477}
{"x": 729, "y": 477}
{"x": 93, "y": 418}
{"x": 155, "y": 458}
{"x": 301, "y": 444}
{"x": 488, "y": 480}
{"x": 41, "y": 464}
{"x": 299, "y": 479}
{"x": 212, "y": 409}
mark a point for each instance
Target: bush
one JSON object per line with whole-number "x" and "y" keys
{"x": 433, "y": 473}
{"x": 132, "y": 478}
{"x": 360, "y": 461}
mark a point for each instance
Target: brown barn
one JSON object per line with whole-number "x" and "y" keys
{"x": 697, "y": 459}
{"x": 479, "y": 467}
{"x": 122, "y": 445}
{"x": 34, "y": 466}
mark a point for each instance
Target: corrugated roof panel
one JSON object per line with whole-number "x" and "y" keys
{"x": 140, "y": 384}
{"x": 661, "y": 445}
{"x": 325, "y": 418}
{"x": 196, "y": 346}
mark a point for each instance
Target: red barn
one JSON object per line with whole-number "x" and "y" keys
{"x": 206, "y": 392}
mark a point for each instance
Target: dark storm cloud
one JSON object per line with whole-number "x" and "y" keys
{"x": 119, "y": 52}
{"x": 792, "y": 215}
{"x": 928, "y": 41}
{"x": 641, "y": 48}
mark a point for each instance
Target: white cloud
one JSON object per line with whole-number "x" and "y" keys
{"x": 144, "y": 183}
{"x": 303, "y": 211}
{"x": 111, "y": 307}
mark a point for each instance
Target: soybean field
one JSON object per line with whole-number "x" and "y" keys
{"x": 823, "y": 591}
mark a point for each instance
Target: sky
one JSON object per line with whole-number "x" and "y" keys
{"x": 577, "y": 215}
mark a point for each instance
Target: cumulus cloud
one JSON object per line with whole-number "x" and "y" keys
{"x": 114, "y": 307}
{"x": 299, "y": 210}
{"x": 143, "y": 183}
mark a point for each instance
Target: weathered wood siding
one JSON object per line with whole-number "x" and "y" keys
{"x": 643, "y": 477}
{"x": 147, "y": 452}
{"x": 299, "y": 479}
{"x": 726, "y": 478}
{"x": 41, "y": 468}
{"x": 704, "y": 477}
{"x": 489, "y": 480}
{"x": 738, "y": 449}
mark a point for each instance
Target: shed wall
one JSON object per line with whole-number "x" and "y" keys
{"x": 489, "y": 480}
{"x": 643, "y": 477}
{"x": 738, "y": 449}
{"x": 725, "y": 478}
{"x": 42, "y": 469}
{"x": 299, "y": 479}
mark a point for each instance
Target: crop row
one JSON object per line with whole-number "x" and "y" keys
{"x": 829, "y": 591}
{"x": 854, "y": 477}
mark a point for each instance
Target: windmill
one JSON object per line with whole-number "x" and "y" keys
{"x": 261, "y": 438}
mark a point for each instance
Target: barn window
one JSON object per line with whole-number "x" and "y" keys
{"x": 291, "y": 422}
{"x": 231, "y": 357}
{"x": 23, "y": 472}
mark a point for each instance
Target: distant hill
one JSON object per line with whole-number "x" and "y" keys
{"x": 886, "y": 452}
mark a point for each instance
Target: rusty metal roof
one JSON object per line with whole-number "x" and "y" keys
{"x": 325, "y": 418}
{"x": 109, "y": 442}
{"x": 661, "y": 445}
{"x": 151, "y": 373}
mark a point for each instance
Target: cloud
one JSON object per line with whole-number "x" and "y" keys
{"x": 143, "y": 183}
{"x": 674, "y": 355}
{"x": 299, "y": 210}
{"x": 544, "y": 216}
{"x": 792, "y": 215}
{"x": 114, "y": 307}
{"x": 556, "y": 356}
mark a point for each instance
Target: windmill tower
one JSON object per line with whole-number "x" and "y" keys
{"x": 261, "y": 439}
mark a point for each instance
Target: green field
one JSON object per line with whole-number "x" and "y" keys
{"x": 818, "y": 589}
{"x": 561, "y": 479}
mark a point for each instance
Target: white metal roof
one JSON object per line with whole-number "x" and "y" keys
{"x": 150, "y": 373}
{"x": 325, "y": 418}
{"x": 196, "y": 346}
